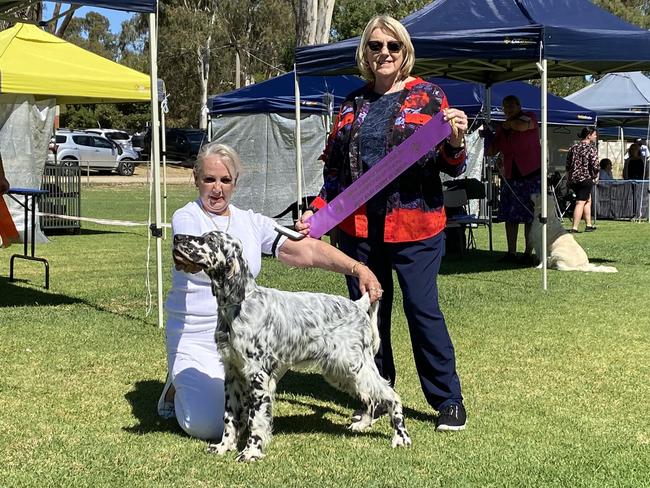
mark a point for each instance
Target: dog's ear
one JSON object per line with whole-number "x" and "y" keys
{"x": 235, "y": 282}
{"x": 232, "y": 267}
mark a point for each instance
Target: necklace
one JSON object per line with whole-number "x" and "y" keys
{"x": 211, "y": 218}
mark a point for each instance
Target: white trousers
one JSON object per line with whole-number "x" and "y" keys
{"x": 195, "y": 370}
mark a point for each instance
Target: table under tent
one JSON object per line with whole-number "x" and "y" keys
{"x": 505, "y": 40}
{"x": 258, "y": 121}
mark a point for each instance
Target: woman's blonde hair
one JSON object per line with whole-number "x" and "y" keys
{"x": 395, "y": 29}
{"x": 227, "y": 155}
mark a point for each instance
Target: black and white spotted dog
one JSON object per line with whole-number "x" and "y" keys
{"x": 263, "y": 332}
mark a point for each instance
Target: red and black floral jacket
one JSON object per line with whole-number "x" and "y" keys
{"x": 414, "y": 209}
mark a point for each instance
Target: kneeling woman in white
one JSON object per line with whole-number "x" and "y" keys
{"x": 193, "y": 393}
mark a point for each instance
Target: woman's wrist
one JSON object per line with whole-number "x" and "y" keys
{"x": 456, "y": 142}
{"x": 355, "y": 268}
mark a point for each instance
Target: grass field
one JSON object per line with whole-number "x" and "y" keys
{"x": 556, "y": 383}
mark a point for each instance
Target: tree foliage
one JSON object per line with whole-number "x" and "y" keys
{"x": 262, "y": 32}
{"x": 351, "y": 16}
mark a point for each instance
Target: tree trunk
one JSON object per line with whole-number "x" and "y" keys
{"x": 313, "y": 21}
{"x": 203, "y": 64}
{"x": 66, "y": 20}
{"x": 325, "y": 11}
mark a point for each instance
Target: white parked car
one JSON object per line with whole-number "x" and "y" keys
{"x": 77, "y": 148}
{"x": 119, "y": 136}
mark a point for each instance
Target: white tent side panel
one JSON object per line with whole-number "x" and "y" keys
{"x": 266, "y": 144}
{"x": 26, "y": 126}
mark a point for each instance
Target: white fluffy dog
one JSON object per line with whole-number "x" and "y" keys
{"x": 564, "y": 252}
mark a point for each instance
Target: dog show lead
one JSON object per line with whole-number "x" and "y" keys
{"x": 194, "y": 390}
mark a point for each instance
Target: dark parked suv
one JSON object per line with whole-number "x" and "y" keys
{"x": 182, "y": 145}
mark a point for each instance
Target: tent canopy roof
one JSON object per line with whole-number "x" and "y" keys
{"x": 501, "y": 40}
{"x": 37, "y": 63}
{"x": 615, "y": 91}
{"x": 470, "y": 98}
{"x": 618, "y": 98}
{"x": 277, "y": 95}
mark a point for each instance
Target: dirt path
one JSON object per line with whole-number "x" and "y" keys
{"x": 175, "y": 176}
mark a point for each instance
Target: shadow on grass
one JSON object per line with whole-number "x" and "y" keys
{"x": 476, "y": 261}
{"x": 20, "y": 296}
{"x": 313, "y": 385}
{"x": 37, "y": 296}
{"x": 144, "y": 400}
{"x": 602, "y": 260}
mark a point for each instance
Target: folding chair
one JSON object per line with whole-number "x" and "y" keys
{"x": 456, "y": 200}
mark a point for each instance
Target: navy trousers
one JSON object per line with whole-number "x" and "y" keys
{"x": 416, "y": 265}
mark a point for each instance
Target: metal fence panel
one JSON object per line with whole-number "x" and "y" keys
{"x": 63, "y": 184}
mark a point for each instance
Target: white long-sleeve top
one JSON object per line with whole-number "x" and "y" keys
{"x": 190, "y": 299}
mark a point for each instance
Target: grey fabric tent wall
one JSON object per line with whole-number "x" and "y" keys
{"x": 266, "y": 144}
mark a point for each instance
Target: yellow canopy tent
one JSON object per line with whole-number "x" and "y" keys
{"x": 37, "y": 63}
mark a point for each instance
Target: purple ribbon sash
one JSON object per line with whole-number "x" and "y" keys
{"x": 381, "y": 174}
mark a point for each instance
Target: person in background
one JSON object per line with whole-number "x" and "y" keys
{"x": 194, "y": 390}
{"x": 4, "y": 184}
{"x": 605, "y": 172}
{"x": 582, "y": 171}
{"x": 634, "y": 166}
{"x": 402, "y": 227}
{"x": 643, "y": 147}
{"x": 517, "y": 138}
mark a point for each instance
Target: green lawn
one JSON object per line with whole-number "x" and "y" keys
{"x": 556, "y": 383}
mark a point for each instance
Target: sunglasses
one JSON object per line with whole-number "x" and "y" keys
{"x": 392, "y": 46}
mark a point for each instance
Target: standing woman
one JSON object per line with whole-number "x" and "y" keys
{"x": 194, "y": 391}
{"x": 582, "y": 170}
{"x": 402, "y": 226}
{"x": 517, "y": 139}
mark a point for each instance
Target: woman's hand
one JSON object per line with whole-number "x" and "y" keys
{"x": 301, "y": 225}
{"x": 458, "y": 120}
{"x": 368, "y": 282}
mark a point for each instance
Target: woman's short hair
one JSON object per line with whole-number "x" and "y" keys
{"x": 511, "y": 98}
{"x": 586, "y": 132}
{"x": 605, "y": 162}
{"x": 397, "y": 30}
{"x": 227, "y": 155}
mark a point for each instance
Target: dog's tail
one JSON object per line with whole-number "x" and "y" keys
{"x": 374, "y": 327}
{"x": 596, "y": 268}
{"x": 373, "y": 314}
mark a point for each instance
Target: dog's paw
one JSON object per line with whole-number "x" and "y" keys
{"x": 401, "y": 440}
{"x": 361, "y": 425}
{"x": 220, "y": 448}
{"x": 249, "y": 455}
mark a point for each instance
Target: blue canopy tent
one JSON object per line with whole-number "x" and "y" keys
{"x": 278, "y": 95}
{"x": 622, "y": 102}
{"x": 9, "y": 10}
{"x": 504, "y": 40}
{"x": 617, "y": 93}
{"x": 471, "y": 98}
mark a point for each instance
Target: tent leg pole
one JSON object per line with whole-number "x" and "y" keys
{"x": 155, "y": 159}
{"x": 487, "y": 108}
{"x": 544, "y": 182}
{"x": 298, "y": 144}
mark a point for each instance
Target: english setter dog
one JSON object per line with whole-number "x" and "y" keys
{"x": 262, "y": 332}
